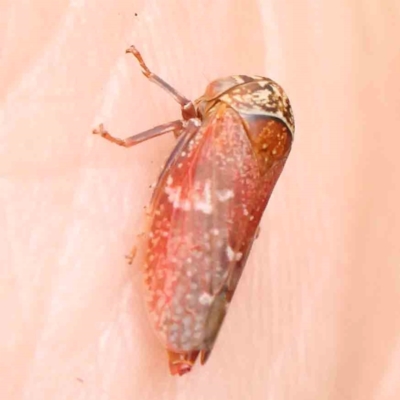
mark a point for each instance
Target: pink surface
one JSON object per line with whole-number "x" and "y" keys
{"x": 316, "y": 315}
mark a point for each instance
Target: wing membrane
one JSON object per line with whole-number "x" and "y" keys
{"x": 205, "y": 215}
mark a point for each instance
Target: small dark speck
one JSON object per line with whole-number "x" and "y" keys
{"x": 135, "y": 14}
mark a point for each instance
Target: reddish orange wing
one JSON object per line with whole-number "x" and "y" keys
{"x": 205, "y": 213}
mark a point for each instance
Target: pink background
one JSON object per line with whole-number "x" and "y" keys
{"x": 316, "y": 315}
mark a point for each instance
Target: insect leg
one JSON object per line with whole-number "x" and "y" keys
{"x": 187, "y": 107}
{"x": 174, "y": 126}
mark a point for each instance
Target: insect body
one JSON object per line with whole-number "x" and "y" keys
{"x": 232, "y": 145}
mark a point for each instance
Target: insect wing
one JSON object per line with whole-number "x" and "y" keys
{"x": 205, "y": 215}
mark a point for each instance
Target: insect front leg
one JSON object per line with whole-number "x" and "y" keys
{"x": 175, "y": 127}
{"x": 187, "y": 107}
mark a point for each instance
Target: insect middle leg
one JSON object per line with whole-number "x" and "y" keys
{"x": 175, "y": 126}
{"x": 187, "y": 107}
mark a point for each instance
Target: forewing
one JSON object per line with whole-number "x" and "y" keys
{"x": 204, "y": 219}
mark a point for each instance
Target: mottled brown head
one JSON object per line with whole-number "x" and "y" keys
{"x": 264, "y": 109}
{"x": 248, "y": 95}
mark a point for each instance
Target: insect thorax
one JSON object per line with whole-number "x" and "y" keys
{"x": 264, "y": 109}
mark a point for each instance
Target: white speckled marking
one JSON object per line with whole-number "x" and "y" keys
{"x": 232, "y": 255}
{"x": 225, "y": 195}
{"x": 174, "y": 194}
{"x": 205, "y": 299}
{"x": 205, "y": 204}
